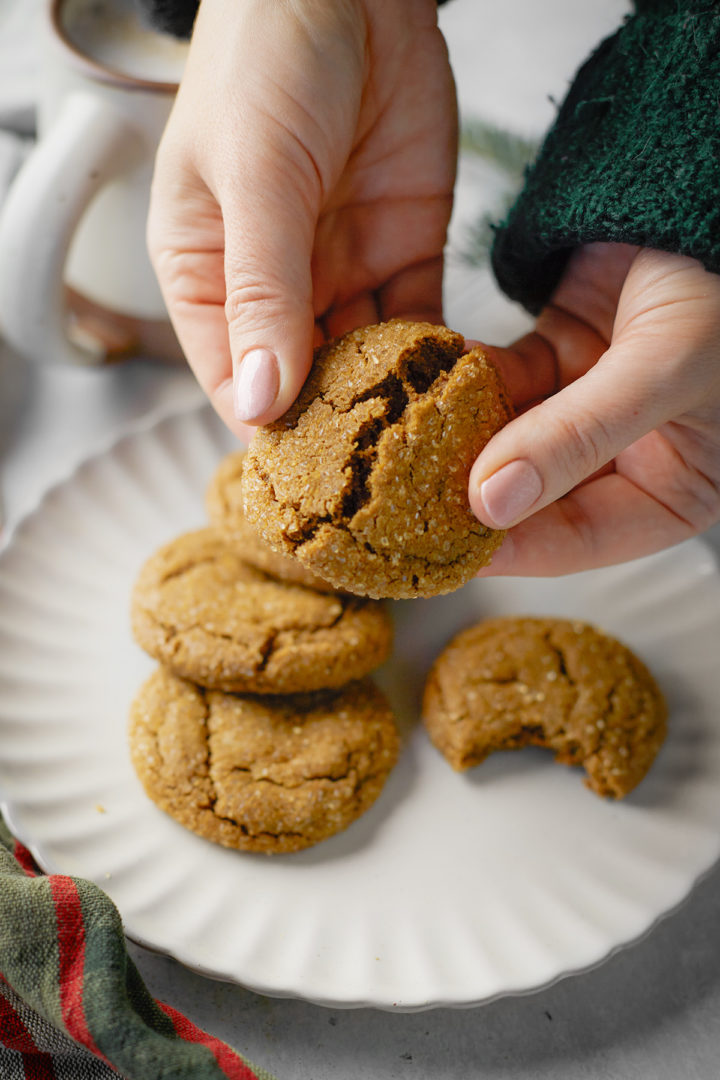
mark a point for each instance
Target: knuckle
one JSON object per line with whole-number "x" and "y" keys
{"x": 267, "y": 297}
{"x": 188, "y": 276}
{"x": 264, "y": 298}
{"x": 170, "y": 265}
{"x": 584, "y": 444}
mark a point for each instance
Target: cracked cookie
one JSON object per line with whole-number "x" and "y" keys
{"x": 512, "y": 682}
{"x": 364, "y": 479}
{"x": 199, "y": 608}
{"x": 267, "y": 774}
{"x": 223, "y": 502}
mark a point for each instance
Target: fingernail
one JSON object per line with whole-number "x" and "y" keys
{"x": 256, "y": 381}
{"x": 510, "y": 492}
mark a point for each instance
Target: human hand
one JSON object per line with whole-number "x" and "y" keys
{"x": 615, "y": 452}
{"x": 303, "y": 187}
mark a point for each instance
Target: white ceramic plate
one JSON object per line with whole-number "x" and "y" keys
{"x": 452, "y": 889}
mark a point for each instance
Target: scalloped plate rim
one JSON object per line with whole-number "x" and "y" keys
{"x": 387, "y": 1006}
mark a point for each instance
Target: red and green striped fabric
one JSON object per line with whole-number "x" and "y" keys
{"x": 72, "y": 1003}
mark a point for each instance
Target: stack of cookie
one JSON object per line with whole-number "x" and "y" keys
{"x": 260, "y": 730}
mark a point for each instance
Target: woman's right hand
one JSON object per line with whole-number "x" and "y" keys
{"x": 303, "y": 187}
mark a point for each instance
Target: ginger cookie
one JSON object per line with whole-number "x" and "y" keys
{"x": 199, "y": 608}
{"x": 267, "y": 774}
{"x": 223, "y": 502}
{"x": 512, "y": 682}
{"x": 365, "y": 478}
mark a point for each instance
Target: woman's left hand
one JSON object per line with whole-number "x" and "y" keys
{"x": 615, "y": 452}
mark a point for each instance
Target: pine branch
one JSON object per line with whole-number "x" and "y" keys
{"x": 510, "y": 152}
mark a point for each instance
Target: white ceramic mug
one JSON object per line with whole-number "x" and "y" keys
{"x": 76, "y": 284}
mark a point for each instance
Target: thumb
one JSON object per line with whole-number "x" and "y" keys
{"x": 548, "y": 450}
{"x": 269, "y": 296}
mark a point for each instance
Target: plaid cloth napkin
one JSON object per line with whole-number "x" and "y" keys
{"x": 72, "y": 1003}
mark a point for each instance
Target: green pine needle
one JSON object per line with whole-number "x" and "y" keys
{"x": 511, "y": 153}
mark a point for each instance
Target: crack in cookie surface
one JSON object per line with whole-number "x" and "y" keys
{"x": 261, "y": 773}
{"x": 365, "y": 478}
{"x": 223, "y": 502}
{"x": 512, "y": 682}
{"x": 198, "y": 608}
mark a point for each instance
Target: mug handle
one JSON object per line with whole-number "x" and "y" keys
{"x": 89, "y": 143}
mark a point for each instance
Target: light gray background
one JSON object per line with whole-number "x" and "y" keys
{"x": 650, "y": 1012}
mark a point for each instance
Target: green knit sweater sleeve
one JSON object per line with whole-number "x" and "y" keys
{"x": 633, "y": 156}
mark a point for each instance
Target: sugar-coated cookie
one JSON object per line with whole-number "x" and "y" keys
{"x": 199, "y": 608}
{"x": 223, "y": 502}
{"x": 511, "y": 682}
{"x": 364, "y": 479}
{"x": 266, "y": 774}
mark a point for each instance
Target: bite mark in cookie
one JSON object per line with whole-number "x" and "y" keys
{"x": 512, "y": 682}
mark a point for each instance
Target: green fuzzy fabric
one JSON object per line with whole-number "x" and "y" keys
{"x": 633, "y": 157}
